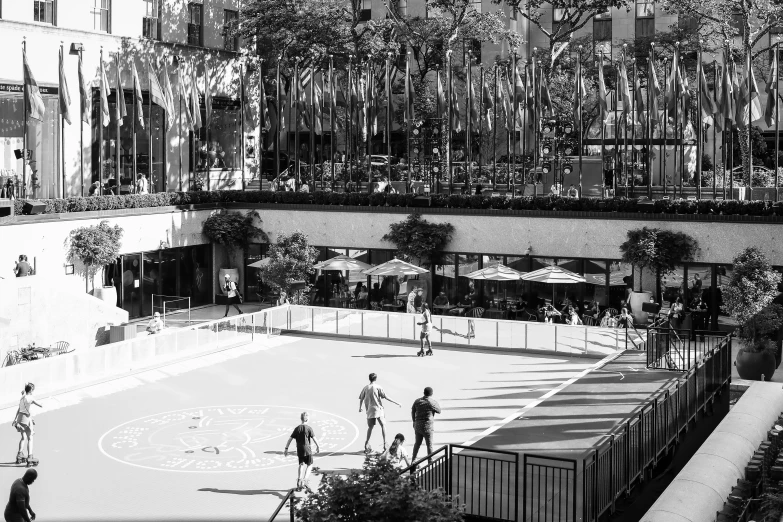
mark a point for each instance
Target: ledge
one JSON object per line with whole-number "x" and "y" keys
{"x": 120, "y": 212}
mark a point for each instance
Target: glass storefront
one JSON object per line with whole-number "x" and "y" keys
{"x": 221, "y": 150}
{"x": 173, "y": 272}
{"x": 154, "y": 169}
{"x": 43, "y": 178}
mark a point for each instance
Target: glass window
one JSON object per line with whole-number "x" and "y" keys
{"x": 154, "y": 170}
{"x": 131, "y": 285}
{"x": 518, "y": 290}
{"x": 44, "y": 11}
{"x": 645, "y": 27}
{"x": 195, "y": 24}
{"x": 557, "y": 14}
{"x": 402, "y": 7}
{"x": 645, "y": 8}
{"x": 254, "y": 284}
{"x": 224, "y": 149}
{"x": 230, "y": 19}
{"x": 152, "y": 20}
{"x": 444, "y": 280}
{"x": 595, "y": 286}
{"x": 493, "y": 291}
{"x": 467, "y": 290}
{"x": 195, "y": 274}
{"x": 620, "y": 283}
{"x": 672, "y": 286}
{"x": 102, "y": 15}
{"x": 365, "y": 15}
{"x": 476, "y": 4}
{"x": 42, "y": 179}
{"x": 605, "y": 15}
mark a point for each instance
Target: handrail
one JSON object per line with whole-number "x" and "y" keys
{"x": 280, "y": 507}
{"x": 429, "y": 457}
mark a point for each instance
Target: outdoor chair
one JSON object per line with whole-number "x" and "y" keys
{"x": 13, "y": 357}
{"x": 588, "y": 320}
{"x": 59, "y": 348}
{"x": 476, "y": 312}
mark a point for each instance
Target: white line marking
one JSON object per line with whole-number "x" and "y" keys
{"x": 519, "y": 413}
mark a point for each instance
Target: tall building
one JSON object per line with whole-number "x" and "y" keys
{"x": 147, "y": 34}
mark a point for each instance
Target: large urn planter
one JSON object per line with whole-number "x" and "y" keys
{"x": 107, "y": 294}
{"x": 752, "y": 365}
{"x": 636, "y": 300}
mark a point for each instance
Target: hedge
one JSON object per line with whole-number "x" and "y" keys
{"x": 545, "y": 203}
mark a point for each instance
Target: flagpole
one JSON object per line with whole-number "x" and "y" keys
{"x": 633, "y": 125}
{"x": 242, "y": 114}
{"x": 480, "y": 119}
{"x": 312, "y": 120}
{"x": 81, "y": 124}
{"x": 714, "y": 134}
{"x": 149, "y": 126}
{"x": 133, "y": 131}
{"x": 449, "y": 122}
{"x": 296, "y": 124}
{"x": 536, "y": 125}
{"x": 468, "y": 129}
{"x": 408, "y": 114}
{"x": 685, "y": 112}
{"x": 578, "y": 125}
{"x": 525, "y": 124}
{"x": 62, "y": 133}
{"x": 675, "y": 72}
{"x": 495, "y": 131}
{"x": 369, "y": 113}
{"x": 662, "y": 165}
{"x": 323, "y": 132}
{"x": 388, "y": 119}
{"x": 625, "y": 127}
{"x": 650, "y": 94}
{"x": 120, "y": 92}
{"x": 750, "y": 127}
{"x": 777, "y": 116}
{"x": 277, "y": 110}
{"x": 332, "y": 103}
{"x": 513, "y": 153}
{"x": 349, "y": 141}
{"x": 24, "y": 131}
{"x": 291, "y": 118}
{"x": 615, "y": 170}
{"x": 100, "y": 137}
{"x": 699, "y": 128}
{"x": 179, "y": 130}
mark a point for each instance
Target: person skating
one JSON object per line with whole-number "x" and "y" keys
{"x": 25, "y": 425}
{"x": 19, "y": 501}
{"x": 426, "y": 326}
{"x": 302, "y": 434}
{"x": 371, "y": 398}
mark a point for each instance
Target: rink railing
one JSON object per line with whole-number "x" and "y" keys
{"x": 453, "y": 331}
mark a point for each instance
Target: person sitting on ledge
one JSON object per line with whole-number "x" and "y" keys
{"x": 155, "y": 325}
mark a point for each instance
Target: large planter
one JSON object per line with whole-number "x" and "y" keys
{"x": 636, "y": 300}
{"x": 107, "y": 294}
{"x": 233, "y": 272}
{"x": 752, "y": 365}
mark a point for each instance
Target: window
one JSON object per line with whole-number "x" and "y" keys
{"x": 689, "y": 23}
{"x": 195, "y": 25}
{"x": 402, "y": 7}
{"x": 101, "y": 13}
{"x": 224, "y": 149}
{"x": 514, "y": 12}
{"x": 476, "y": 4}
{"x": 558, "y": 25}
{"x": 645, "y": 19}
{"x": 230, "y": 20}
{"x": 645, "y": 9}
{"x": 602, "y": 33}
{"x": 44, "y": 11}
{"x": 152, "y": 19}
{"x": 365, "y": 15}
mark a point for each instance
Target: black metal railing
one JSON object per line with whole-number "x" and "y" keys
{"x": 679, "y": 349}
{"x": 550, "y": 489}
{"x": 288, "y": 502}
{"x": 481, "y": 480}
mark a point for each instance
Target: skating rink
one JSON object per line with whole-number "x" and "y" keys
{"x": 203, "y": 439}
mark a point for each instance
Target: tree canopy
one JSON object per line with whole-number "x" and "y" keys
{"x": 233, "y": 230}
{"x": 94, "y": 246}
{"x": 419, "y": 241}
{"x": 661, "y": 251}
{"x": 291, "y": 260}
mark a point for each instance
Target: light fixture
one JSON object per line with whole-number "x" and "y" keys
{"x": 546, "y": 148}
{"x": 435, "y": 150}
{"x": 568, "y": 150}
{"x": 435, "y": 169}
{"x": 415, "y": 150}
{"x": 567, "y": 169}
{"x": 68, "y": 269}
{"x": 568, "y": 128}
{"x": 546, "y": 167}
{"x": 435, "y": 131}
{"x": 415, "y": 131}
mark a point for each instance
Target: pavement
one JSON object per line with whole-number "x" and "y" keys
{"x": 203, "y": 439}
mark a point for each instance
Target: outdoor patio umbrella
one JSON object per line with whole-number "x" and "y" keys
{"x": 553, "y": 275}
{"x": 260, "y": 263}
{"x": 395, "y": 267}
{"x": 497, "y": 272}
{"x": 342, "y": 262}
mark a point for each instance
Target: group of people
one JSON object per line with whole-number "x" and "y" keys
{"x": 112, "y": 189}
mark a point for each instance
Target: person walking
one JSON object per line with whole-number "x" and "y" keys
{"x": 142, "y": 185}
{"x": 422, "y": 413}
{"x": 303, "y": 434}
{"x": 426, "y": 326}
{"x": 230, "y": 289}
{"x": 25, "y": 425}
{"x": 676, "y": 313}
{"x": 371, "y": 398}
{"x": 19, "y": 501}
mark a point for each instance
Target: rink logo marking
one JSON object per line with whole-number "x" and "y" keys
{"x": 227, "y": 439}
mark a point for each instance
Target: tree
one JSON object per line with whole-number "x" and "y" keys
{"x": 658, "y": 250}
{"x": 233, "y": 230}
{"x": 291, "y": 260}
{"x": 752, "y": 287}
{"x": 418, "y": 240}
{"x": 575, "y": 15}
{"x": 95, "y": 246}
{"x": 377, "y": 493}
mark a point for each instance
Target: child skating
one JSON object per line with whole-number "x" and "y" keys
{"x": 426, "y": 326}
{"x": 25, "y": 425}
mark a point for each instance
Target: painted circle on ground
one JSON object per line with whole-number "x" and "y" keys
{"x": 222, "y": 439}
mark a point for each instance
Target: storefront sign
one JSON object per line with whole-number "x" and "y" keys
{"x": 12, "y": 87}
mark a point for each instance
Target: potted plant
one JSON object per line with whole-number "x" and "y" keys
{"x": 234, "y": 232}
{"x": 659, "y": 251}
{"x": 95, "y": 247}
{"x": 748, "y": 298}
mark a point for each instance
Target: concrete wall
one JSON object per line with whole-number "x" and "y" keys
{"x": 40, "y": 310}
{"x": 701, "y": 488}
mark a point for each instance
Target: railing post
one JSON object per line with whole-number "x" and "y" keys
{"x": 586, "y": 344}
{"x": 361, "y": 314}
{"x": 526, "y": 327}
{"x": 336, "y": 322}
{"x": 252, "y": 327}
{"x": 628, "y": 477}
{"x": 517, "y": 486}
{"x": 293, "y": 510}
{"x": 312, "y": 320}
{"x": 612, "y": 478}
{"x": 497, "y": 334}
{"x": 555, "y": 338}
{"x": 447, "y": 469}
{"x": 616, "y": 341}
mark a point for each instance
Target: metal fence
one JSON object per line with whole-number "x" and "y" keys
{"x": 453, "y": 331}
{"x": 677, "y": 349}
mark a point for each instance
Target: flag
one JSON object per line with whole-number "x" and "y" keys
{"x": 755, "y": 101}
{"x": 65, "y": 97}
{"x": 718, "y": 116}
{"x": 622, "y": 86}
{"x": 263, "y": 114}
{"x": 545, "y": 97}
{"x": 363, "y": 108}
{"x": 317, "y": 101}
{"x": 168, "y": 94}
{"x": 410, "y": 95}
{"x": 456, "y": 120}
{"x": 156, "y": 91}
{"x": 83, "y": 90}
{"x": 602, "y": 91}
{"x": 771, "y": 111}
{"x": 654, "y": 89}
{"x": 726, "y": 100}
{"x": 638, "y": 97}
{"x": 685, "y": 94}
{"x": 487, "y": 102}
{"x": 474, "y": 110}
{"x": 390, "y": 99}
{"x": 339, "y": 96}
{"x": 736, "y": 95}
{"x": 531, "y": 95}
{"x": 120, "y": 109}
{"x": 105, "y": 116}
{"x": 708, "y": 107}
{"x": 442, "y": 109}
{"x": 35, "y": 105}
{"x": 138, "y": 99}
{"x": 519, "y": 89}
{"x": 283, "y": 111}
{"x": 580, "y": 93}
{"x": 354, "y": 108}
{"x": 188, "y": 116}
{"x": 743, "y": 100}
{"x": 508, "y": 111}
{"x": 372, "y": 102}
{"x": 672, "y": 84}
{"x": 207, "y": 95}
{"x": 195, "y": 100}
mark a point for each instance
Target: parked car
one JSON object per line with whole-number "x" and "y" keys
{"x": 268, "y": 162}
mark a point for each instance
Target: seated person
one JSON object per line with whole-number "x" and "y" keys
{"x": 550, "y": 312}
{"x": 625, "y": 319}
{"x": 607, "y": 321}
{"x": 283, "y": 299}
{"x": 441, "y": 300}
{"x": 375, "y": 295}
{"x": 572, "y": 192}
{"x": 396, "y": 454}
{"x": 573, "y": 318}
{"x": 593, "y": 310}
{"x": 155, "y": 325}
{"x": 554, "y": 190}
{"x": 362, "y": 293}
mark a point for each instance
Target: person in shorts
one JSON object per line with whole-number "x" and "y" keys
{"x": 371, "y": 398}
{"x": 426, "y": 327}
{"x": 303, "y": 434}
{"x": 25, "y": 425}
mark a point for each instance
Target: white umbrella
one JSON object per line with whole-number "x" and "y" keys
{"x": 495, "y": 273}
{"x": 553, "y": 275}
{"x": 260, "y": 263}
{"x": 395, "y": 267}
{"x": 342, "y": 262}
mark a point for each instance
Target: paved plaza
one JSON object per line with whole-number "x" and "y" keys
{"x": 203, "y": 439}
